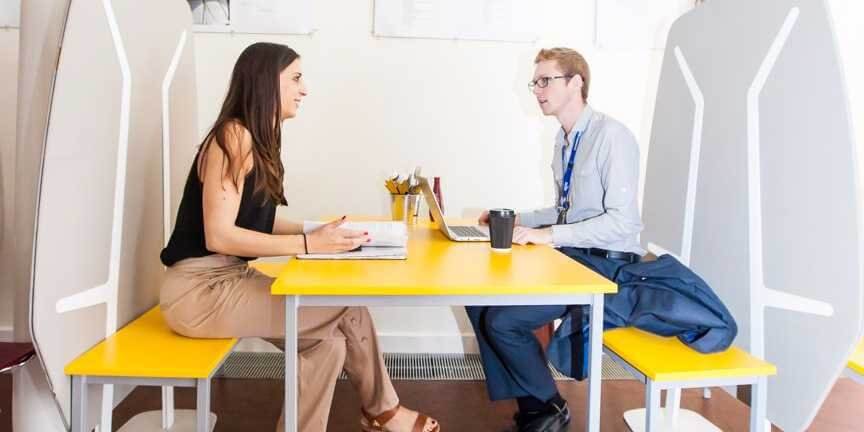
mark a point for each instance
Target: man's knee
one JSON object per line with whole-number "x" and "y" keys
{"x": 504, "y": 322}
{"x": 519, "y": 320}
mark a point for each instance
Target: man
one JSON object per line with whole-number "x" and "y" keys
{"x": 595, "y": 221}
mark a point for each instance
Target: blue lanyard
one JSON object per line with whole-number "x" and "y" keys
{"x": 564, "y": 197}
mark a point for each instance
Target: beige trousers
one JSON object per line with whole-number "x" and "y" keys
{"x": 220, "y": 296}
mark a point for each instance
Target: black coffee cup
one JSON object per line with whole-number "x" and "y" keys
{"x": 501, "y": 222}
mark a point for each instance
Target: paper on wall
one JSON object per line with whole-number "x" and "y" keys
{"x": 494, "y": 20}
{"x": 272, "y": 16}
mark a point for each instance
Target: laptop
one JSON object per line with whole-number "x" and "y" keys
{"x": 461, "y": 233}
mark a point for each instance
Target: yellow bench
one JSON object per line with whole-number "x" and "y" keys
{"x": 665, "y": 363}
{"x": 855, "y": 365}
{"x": 147, "y": 352}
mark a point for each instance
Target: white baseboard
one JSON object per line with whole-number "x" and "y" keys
{"x": 254, "y": 344}
{"x": 6, "y": 334}
{"x": 394, "y": 342}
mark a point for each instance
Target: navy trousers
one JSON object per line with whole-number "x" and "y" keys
{"x": 512, "y": 357}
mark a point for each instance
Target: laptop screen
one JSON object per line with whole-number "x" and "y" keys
{"x": 432, "y": 203}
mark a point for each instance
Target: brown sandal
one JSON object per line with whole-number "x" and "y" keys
{"x": 372, "y": 423}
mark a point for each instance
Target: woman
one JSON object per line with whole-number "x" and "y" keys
{"x": 227, "y": 217}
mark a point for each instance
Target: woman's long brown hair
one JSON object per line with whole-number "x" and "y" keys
{"x": 254, "y": 101}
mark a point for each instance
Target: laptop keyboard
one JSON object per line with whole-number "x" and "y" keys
{"x": 467, "y": 231}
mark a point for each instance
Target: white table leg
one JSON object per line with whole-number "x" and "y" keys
{"x": 595, "y": 357}
{"x": 758, "y": 403}
{"x": 291, "y": 329}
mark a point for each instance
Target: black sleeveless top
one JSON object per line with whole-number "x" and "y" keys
{"x": 257, "y": 213}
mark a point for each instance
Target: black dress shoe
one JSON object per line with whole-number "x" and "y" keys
{"x": 555, "y": 419}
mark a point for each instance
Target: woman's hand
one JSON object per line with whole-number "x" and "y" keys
{"x": 330, "y": 238}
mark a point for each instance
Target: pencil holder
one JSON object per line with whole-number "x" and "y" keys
{"x": 405, "y": 207}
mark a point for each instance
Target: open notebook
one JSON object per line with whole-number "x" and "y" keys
{"x": 389, "y": 241}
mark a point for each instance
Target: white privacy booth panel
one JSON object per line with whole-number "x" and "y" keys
{"x": 100, "y": 212}
{"x": 752, "y": 178}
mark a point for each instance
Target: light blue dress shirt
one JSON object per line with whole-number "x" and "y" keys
{"x": 604, "y": 190}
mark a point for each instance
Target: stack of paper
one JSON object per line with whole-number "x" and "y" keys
{"x": 389, "y": 241}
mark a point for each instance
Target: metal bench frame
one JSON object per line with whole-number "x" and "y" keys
{"x": 653, "y": 389}
{"x": 80, "y": 384}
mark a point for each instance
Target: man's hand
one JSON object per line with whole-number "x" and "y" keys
{"x": 484, "y": 218}
{"x": 523, "y": 236}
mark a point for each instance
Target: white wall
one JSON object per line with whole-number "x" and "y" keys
{"x": 377, "y": 104}
{"x": 8, "y": 114}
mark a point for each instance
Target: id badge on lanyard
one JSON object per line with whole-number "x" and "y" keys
{"x": 564, "y": 196}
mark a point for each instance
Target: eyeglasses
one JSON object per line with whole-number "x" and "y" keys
{"x": 543, "y": 82}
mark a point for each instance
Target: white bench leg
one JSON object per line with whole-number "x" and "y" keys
{"x": 202, "y": 408}
{"x": 758, "y": 403}
{"x": 167, "y": 407}
{"x": 652, "y": 406}
{"x": 673, "y": 407}
{"x": 79, "y": 404}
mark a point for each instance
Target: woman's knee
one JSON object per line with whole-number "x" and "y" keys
{"x": 358, "y": 317}
{"x": 360, "y": 312}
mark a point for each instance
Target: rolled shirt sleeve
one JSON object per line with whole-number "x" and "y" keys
{"x": 538, "y": 218}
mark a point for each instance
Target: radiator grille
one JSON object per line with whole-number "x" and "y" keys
{"x": 402, "y": 367}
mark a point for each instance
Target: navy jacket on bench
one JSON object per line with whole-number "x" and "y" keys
{"x": 663, "y": 297}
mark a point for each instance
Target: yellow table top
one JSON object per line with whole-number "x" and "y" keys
{"x": 147, "y": 348}
{"x": 440, "y": 267}
{"x": 856, "y": 362}
{"x": 668, "y": 359}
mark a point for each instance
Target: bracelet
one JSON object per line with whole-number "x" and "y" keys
{"x": 305, "y": 245}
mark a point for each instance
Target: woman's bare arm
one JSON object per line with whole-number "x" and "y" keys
{"x": 285, "y": 226}
{"x": 221, "y": 203}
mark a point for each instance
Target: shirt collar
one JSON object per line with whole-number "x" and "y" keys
{"x": 580, "y": 125}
